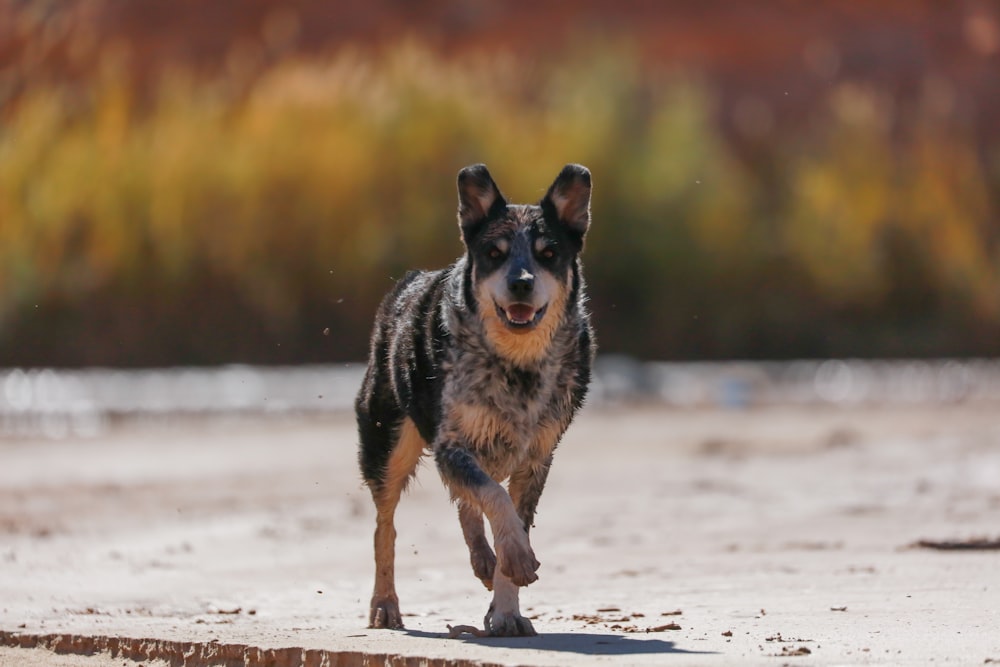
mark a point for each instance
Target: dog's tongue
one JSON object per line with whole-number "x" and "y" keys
{"x": 520, "y": 312}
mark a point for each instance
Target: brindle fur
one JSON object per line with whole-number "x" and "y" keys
{"x": 465, "y": 363}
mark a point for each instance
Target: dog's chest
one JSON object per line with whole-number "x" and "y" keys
{"x": 506, "y": 415}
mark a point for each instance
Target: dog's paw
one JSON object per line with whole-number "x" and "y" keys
{"x": 500, "y": 624}
{"x": 517, "y": 561}
{"x": 385, "y": 614}
{"x": 484, "y": 563}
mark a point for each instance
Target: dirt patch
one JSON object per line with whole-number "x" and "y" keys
{"x": 251, "y": 540}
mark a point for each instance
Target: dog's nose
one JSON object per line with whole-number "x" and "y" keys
{"x": 521, "y": 286}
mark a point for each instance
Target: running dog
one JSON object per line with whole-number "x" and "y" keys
{"x": 482, "y": 365}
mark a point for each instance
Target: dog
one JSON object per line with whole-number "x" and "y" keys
{"x": 482, "y": 365}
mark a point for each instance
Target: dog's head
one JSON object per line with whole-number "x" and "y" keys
{"x": 522, "y": 258}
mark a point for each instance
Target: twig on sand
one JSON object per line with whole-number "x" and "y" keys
{"x": 976, "y": 543}
{"x": 457, "y": 630}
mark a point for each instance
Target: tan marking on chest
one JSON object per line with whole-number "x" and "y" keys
{"x": 483, "y": 425}
{"x": 546, "y": 437}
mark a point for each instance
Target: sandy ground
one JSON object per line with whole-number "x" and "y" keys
{"x": 768, "y": 536}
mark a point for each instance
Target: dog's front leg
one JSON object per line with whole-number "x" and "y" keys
{"x": 526, "y": 487}
{"x": 469, "y": 484}
{"x": 515, "y": 560}
{"x": 484, "y": 561}
{"x": 503, "y": 619}
{"x": 504, "y": 616}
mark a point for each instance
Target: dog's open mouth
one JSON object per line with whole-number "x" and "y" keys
{"x": 520, "y": 316}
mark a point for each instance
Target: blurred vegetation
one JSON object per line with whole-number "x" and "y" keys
{"x": 236, "y": 217}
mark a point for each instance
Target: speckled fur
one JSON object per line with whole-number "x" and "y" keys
{"x": 454, "y": 371}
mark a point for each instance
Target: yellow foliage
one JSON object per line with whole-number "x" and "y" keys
{"x": 341, "y": 173}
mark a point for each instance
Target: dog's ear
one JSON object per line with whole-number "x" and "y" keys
{"x": 569, "y": 198}
{"x": 478, "y": 197}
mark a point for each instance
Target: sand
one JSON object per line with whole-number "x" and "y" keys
{"x": 780, "y": 535}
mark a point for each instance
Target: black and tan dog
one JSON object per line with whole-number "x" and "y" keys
{"x": 483, "y": 364}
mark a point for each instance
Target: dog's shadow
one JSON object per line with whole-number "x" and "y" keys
{"x": 586, "y": 643}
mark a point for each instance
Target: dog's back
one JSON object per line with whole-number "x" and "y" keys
{"x": 485, "y": 364}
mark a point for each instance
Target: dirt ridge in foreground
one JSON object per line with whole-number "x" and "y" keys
{"x": 195, "y": 654}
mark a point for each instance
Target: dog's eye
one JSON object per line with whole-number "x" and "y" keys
{"x": 547, "y": 253}
{"x": 495, "y": 253}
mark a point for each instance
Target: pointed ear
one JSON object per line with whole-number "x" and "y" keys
{"x": 569, "y": 198}
{"x": 478, "y": 196}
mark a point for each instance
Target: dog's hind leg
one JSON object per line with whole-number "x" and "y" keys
{"x": 484, "y": 561}
{"x": 399, "y": 468}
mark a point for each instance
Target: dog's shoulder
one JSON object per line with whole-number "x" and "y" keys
{"x": 408, "y": 345}
{"x": 408, "y": 306}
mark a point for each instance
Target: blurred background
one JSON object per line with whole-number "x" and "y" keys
{"x": 184, "y": 183}
{"x": 239, "y": 182}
